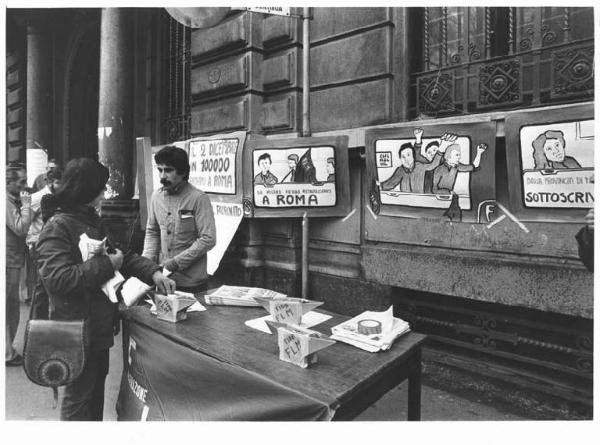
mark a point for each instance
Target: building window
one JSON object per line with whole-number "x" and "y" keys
{"x": 177, "y": 74}
{"x": 481, "y": 59}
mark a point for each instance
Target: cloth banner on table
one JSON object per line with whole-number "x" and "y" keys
{"x": 164, "y": 380}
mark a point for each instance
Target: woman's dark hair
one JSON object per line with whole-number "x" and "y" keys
{"x": 539, "y": 156}
{"x": 54, "y": 175}
{"x": 82, "y": 180}
{"x": 174, "y": 157}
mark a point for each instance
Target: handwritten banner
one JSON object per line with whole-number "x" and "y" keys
{"x": 559, "y": 188}
{"x": 274, "y": 10}
{"x": 293, "y": 195}
{"x": 212, "y": 165}
{"x": 227, "y": 219}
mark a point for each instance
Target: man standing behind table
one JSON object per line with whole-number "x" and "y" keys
{"x": 181, "y": 225}
{"x": 18, "y": 220}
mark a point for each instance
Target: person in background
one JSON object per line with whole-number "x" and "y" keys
{"x": 18, "y": 220}
{"x": 181, "y": 225}
{"x": 53, "y": 178}
{"x": 330, "y": 170}
{"x": 292, "y": 164}
{"x": 74, "y": 285}
{"x": 585, "y": 241}
{"x": 40, "y": 181}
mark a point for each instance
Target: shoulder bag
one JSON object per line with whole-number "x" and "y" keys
{"x": 55, "y": 352}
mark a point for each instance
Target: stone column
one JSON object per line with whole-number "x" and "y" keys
{"x": 39, "y": 88}
{"x": 116, "y": 143}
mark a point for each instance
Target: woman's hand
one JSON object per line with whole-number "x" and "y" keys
{"x": 116, "y": 259}
{"x": 163, "y": 284}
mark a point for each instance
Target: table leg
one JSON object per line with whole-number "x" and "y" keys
{"x": 414, "y": 387}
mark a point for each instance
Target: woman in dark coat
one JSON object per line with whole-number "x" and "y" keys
{"x": 74, "y": 286}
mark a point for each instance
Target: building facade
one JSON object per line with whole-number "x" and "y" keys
{"x": 507, "y": 298}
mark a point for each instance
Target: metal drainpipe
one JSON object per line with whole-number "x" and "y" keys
{"x": 305, "y": 133}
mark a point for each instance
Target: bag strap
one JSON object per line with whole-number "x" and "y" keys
{"x": 39, "y": 280}
{"x": 55, "y": 393}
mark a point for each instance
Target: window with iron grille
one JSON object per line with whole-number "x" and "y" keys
{"x": 485, "y": 58}
{"x": 176, "y": 56}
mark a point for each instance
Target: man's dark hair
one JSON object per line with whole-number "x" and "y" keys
{"x": 174, "y": 157}
{"x": 54, "y": 175}
{"x": 404, "y": 147}
{"x": 12, "y": 171}
{"x": 265, "y": 156}
{"x": 432, "y": 144}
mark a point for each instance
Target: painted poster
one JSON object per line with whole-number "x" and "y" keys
{"x": 294, "y": 177}
{"x": 427, "y": 170}
{"x": 558, "y": 164}
{"x": 212, "y": 165}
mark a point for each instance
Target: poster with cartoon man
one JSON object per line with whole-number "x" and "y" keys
{"x": 426, "y": 171}
{"x": 558, "y": 164}
{"x": 294, "y": 177}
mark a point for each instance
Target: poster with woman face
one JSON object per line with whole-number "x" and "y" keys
{"x": 557, "y": 163}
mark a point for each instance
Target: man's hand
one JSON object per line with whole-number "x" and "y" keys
{"x": 25, "y": 199}
{"x": 418, "y": 132}
{"x": 481, "y": 148}
{"x": 446, "y": 140}
{"x": 163, "y": 284}
{"x": 116, "y": 259}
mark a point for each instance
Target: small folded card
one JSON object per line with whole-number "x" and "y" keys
{"x": 309, "y": 320}
{"x": 288, "y": 310}
{"x": 298, "y": 345}
{"x": 173, "y": 307}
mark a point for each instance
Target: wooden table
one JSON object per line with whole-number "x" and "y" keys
{"x": 344, "y": 382}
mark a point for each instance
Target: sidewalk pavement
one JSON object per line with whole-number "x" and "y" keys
{"x": 27, "y": 401}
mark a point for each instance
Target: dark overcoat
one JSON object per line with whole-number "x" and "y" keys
{"x": 74, "y": 286}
